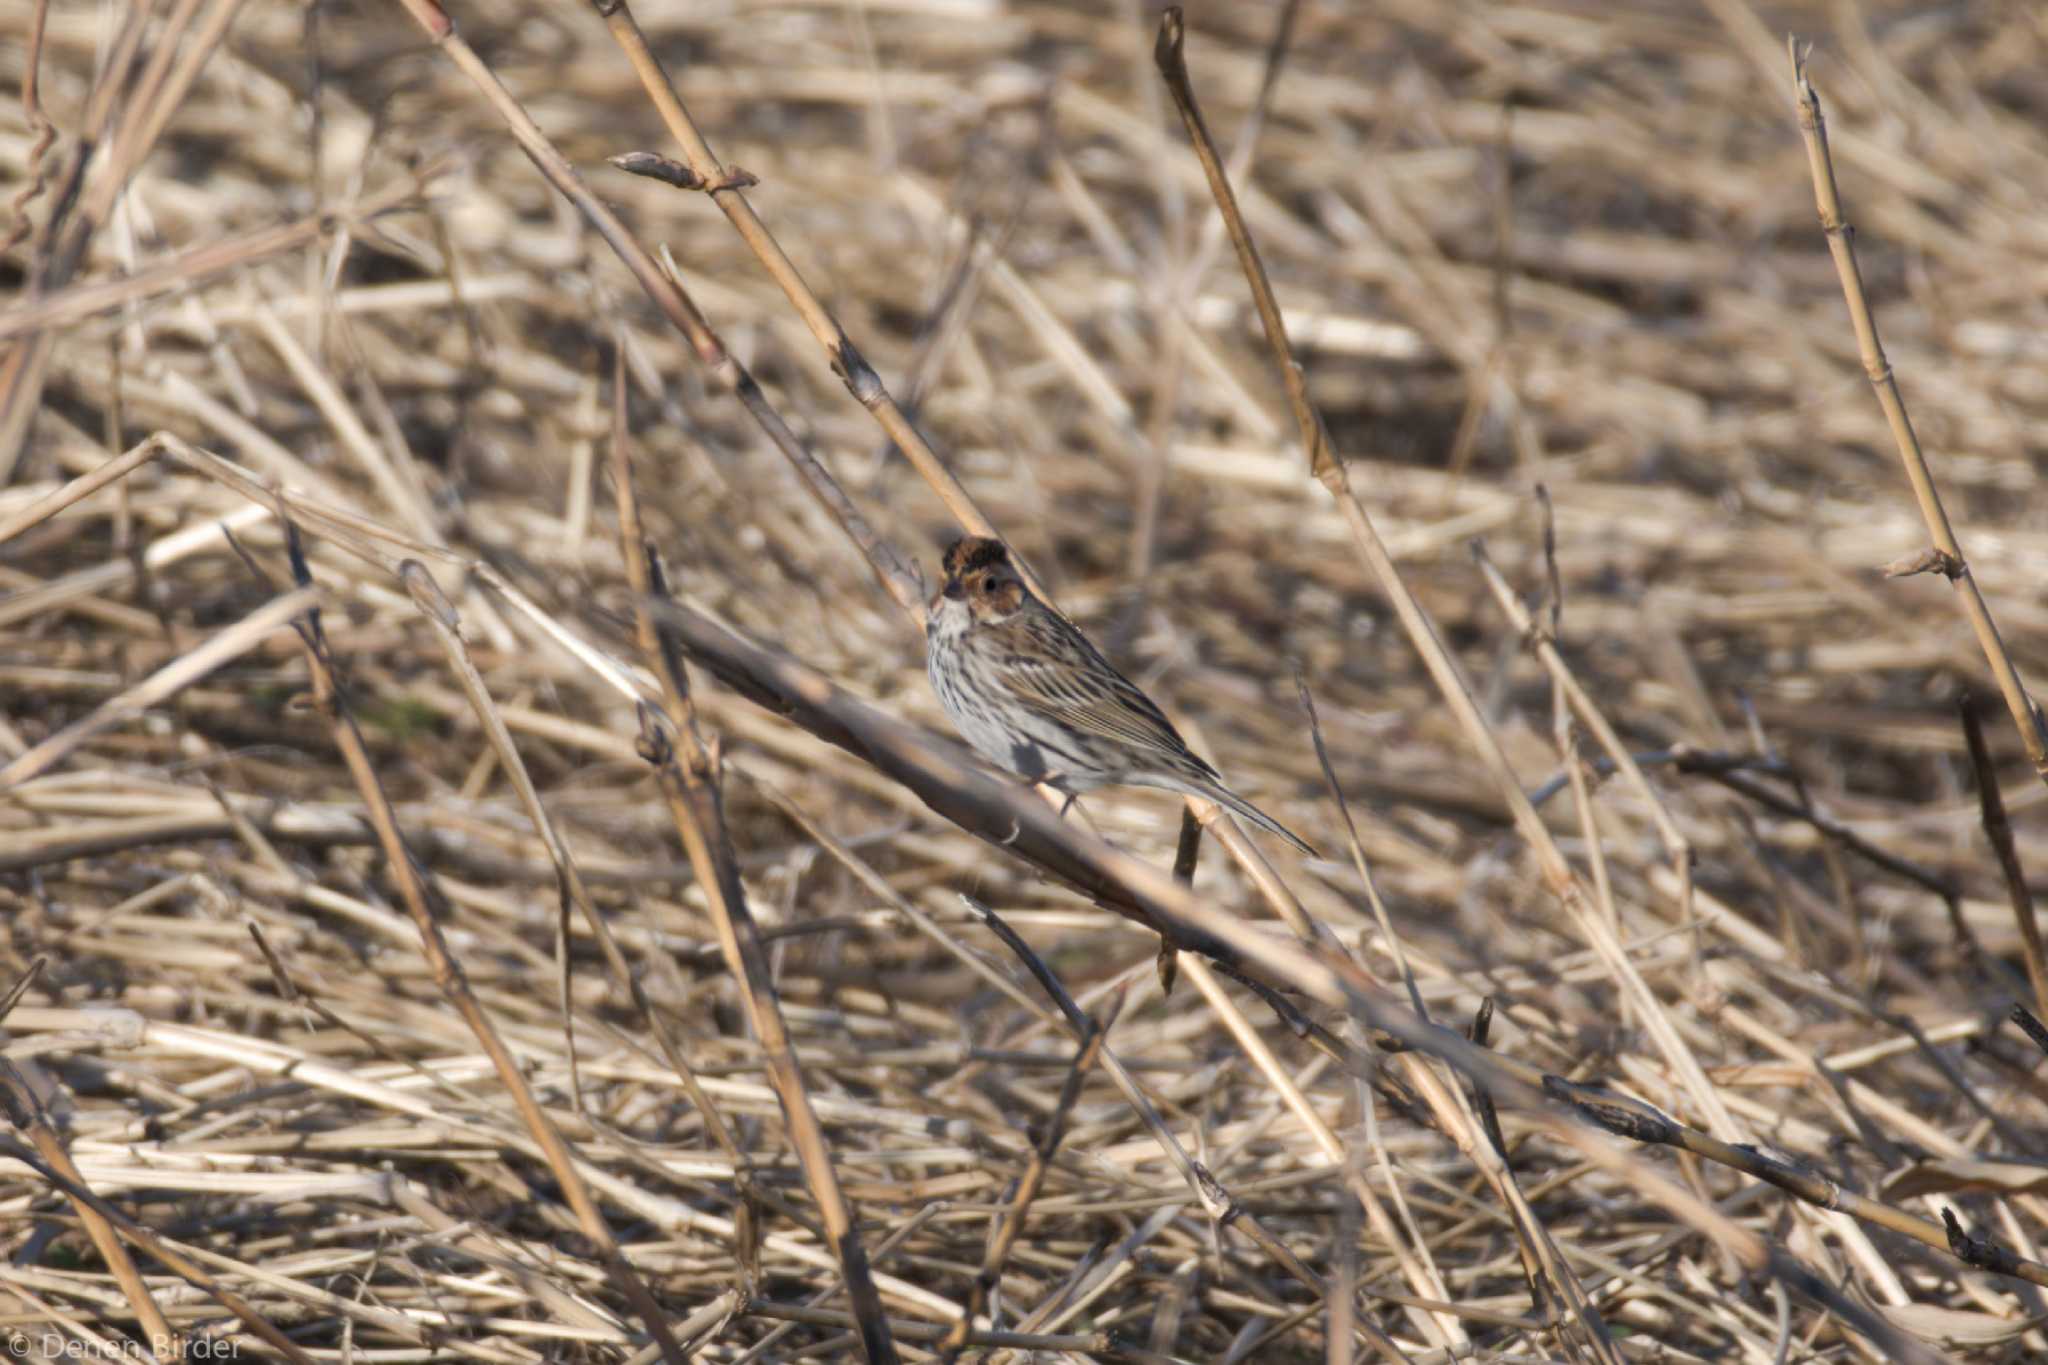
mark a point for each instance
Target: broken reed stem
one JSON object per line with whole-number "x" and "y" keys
{"x": 688, "y": 771}
{"x": 449, "y": 977}
{"x": 2026, "y": 717}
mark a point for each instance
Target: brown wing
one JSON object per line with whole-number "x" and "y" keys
{"x": 1055, "y": 672}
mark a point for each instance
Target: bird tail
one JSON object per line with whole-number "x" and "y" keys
{"x": 1245, "y": 810}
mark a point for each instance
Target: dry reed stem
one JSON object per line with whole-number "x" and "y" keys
{"x": 440, "y": 616}
{"x": 28, "y": 1114}
{"x": 1543, "y": 643}
{"x": 78, "y": 302}
{"x": 137, "y": 115}
{"x": 690, "y": 786}
{"x": 393, "y": 476}
{"x": 725, "y": 186}
{"x": 1214, "y": 1197}
{"x": 84, "y": 486}
{"x": 1332, "y": 474}
{"x": 1328, "y": 470}
{"x": 163, "y": 684}
{"x": 1093, "y": 1343}
{"x": 1028, "y": 1185}
{"x": 1441, "y": 1330}
{"x": 2026, "y": 716}
{"x": 109, "y": 1216}
{"x": 689, "y": 772}
{"x": 899, "y": 579}
{"x": 1727, "y": 770}
{"x": 37, "y": 178}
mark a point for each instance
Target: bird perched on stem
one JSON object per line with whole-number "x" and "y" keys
{"x": 1033, "y": 697}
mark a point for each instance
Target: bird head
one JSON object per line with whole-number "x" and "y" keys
{"x": 980, "y": 577}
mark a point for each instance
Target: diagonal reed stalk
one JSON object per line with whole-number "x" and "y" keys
{"x": 26, "y": 1112}
{"x": 418, "y": 895}
{"x": 690, "y": 774}
{"x": 898, "y": 578}
{"x": 1947, "y": 558}
{"x": 725, "y": 189}
{"x": 48, "y": 1159}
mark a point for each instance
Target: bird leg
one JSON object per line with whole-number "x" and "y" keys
{"x": 1049, "y": 785}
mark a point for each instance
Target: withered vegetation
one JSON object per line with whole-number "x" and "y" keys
{"x": 484, "y": 874}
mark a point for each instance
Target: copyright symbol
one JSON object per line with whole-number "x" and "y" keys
{"x": 17, "y": 1345}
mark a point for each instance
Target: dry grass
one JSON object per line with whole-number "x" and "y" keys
{"x": 1517, "y": 247}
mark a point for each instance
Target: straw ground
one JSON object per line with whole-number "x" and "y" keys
{"x": 484, "y": 873}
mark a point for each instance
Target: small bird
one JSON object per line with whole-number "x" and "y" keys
{"x": 1036, "y": 699}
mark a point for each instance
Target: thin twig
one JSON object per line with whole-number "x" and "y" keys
{"x": 1998, "y": 831}
{"x": 1028, "y": 1185}
{"x": 688, "y": 770}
